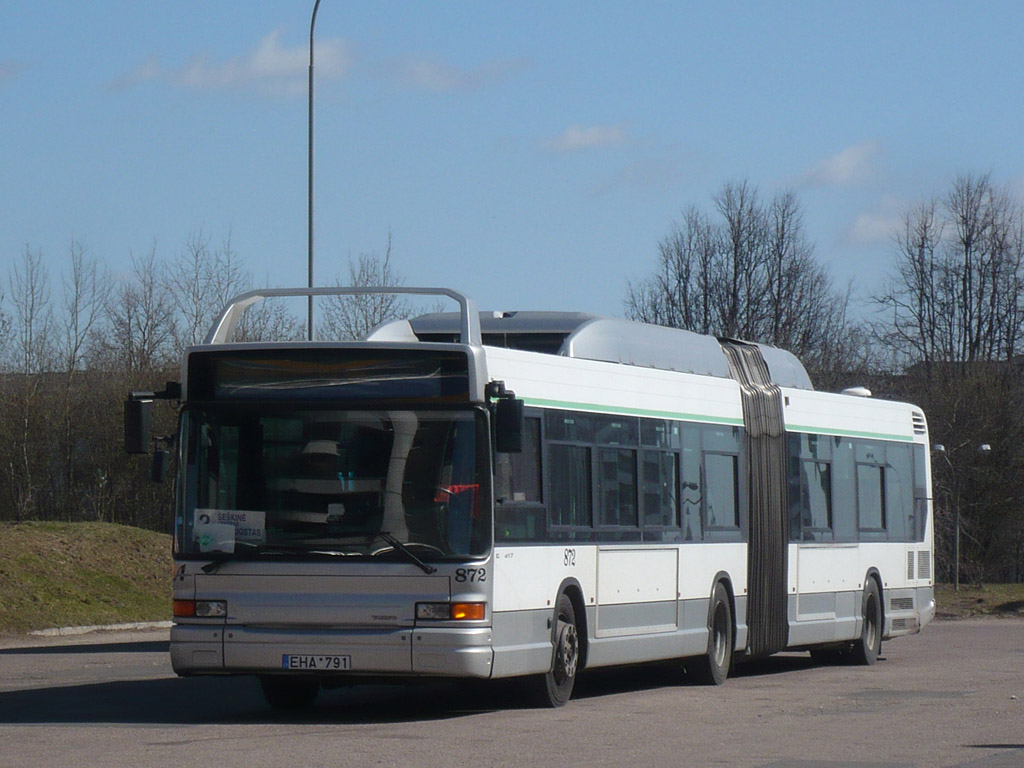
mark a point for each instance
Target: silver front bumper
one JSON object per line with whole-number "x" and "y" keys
{"x": 436, "y": 651}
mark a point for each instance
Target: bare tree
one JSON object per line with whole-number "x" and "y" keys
{"x": 86, "y": 290}
{"x": 679, "y": 293}
{"x": 33, "y": 318}
{"x": 951, "y": 315}
{"x": 751, "y": 274}
{"x": 199, "y": 283}
{"x": 140, "y": 314}
{"x": 741, "y": 280}
{"x": 5, "y": 332}
{"x": 269, "y": 321}
{"x": 956, "y": 294}
{"x": 31, "y": 357}
{"x": 352, "y": 317}
{"x": 913, "y": 302}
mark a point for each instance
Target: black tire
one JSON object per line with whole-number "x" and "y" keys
{"x": 289, "y": 694}
{"x": 713, "y": 667}
{"x": 869, "y": 645}
{"x": 554, "y": 688}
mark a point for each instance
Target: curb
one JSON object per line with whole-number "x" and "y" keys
{"x": 68, "y": 631}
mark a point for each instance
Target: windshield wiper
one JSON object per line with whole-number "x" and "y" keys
{"x": 219, "y": 558}
{"x": 398, "y": 545}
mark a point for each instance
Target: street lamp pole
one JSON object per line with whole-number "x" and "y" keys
{"x": 954, "y": 497}
{"x": 309, "y": 232}
{"x": 956, "y": 543}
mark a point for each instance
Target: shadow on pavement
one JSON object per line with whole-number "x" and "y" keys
{"x": 145, "y": 646}
{"x": 235, "y": 700}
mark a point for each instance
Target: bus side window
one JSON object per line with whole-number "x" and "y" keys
{"x": 899, "y": 492}
{"x": 692, "y": 488}
{"x": 661, "y": 444}
{"x": 916, "y": 528}
{"x": 844, "y": 490}
{"x": 810, "y": 487}
{"x": 720, "y": 447}
{"x": 721, "y": 494}
{"x": 519, "y": 513}
{"x": 570, "y": 477}
{"x": 525, "y": 466}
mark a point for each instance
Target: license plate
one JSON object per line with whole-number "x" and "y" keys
{"x": 317, "y": 663}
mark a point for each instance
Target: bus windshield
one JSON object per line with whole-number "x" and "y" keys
{"x": 279, "y": 483}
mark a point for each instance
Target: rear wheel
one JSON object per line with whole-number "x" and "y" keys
{"x": 869, "y": 645}
{"x": 289, "y": 694}
{"x": 713, "y": 667}
{"x": 554, "y": 688}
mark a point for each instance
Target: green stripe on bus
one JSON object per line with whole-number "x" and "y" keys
{"x": 848, "y": 433}
{"x": 626, "y": 411}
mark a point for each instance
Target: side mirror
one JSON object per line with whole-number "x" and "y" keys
{"x": 138, "y": 417}
{"x": 508, "y": 425}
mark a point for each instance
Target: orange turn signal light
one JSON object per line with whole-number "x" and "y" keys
{"x": 468, "y": 611}
{"x": 184, "y": 608}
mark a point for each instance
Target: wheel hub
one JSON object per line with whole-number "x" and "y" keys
{"x": 568, "y": 655}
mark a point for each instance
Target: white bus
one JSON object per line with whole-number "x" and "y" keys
{"x": 489, "y": 495}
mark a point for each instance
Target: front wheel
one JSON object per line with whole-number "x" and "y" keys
{"x": 713, "y": 667}
{"x": 869, "y": 645}
{"x": 554, "y": 688}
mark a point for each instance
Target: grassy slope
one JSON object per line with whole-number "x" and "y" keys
{"x": 65, "y": 574}
{"x": 974, "y": 601}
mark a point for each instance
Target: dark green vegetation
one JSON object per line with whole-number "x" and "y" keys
{"x": 980, "y": 601}
{"x": 74, "y": 574}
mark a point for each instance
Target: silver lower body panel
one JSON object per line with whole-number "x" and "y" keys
{"x": 446, "y": 652}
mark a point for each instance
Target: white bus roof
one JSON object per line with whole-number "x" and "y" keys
{"x": 591, "y": 337}
{"x": 567, "y": 334}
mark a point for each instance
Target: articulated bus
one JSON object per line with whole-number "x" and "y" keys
{"x": 530, "y": 494}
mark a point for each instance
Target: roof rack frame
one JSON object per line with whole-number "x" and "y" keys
{"x": 224, "y": 326}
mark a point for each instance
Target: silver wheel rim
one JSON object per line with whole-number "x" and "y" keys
{"x": 567, "y": 655}
{"x": 719, "y": 637}
{"x": 871, "y": 624}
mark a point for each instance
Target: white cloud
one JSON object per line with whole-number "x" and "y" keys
{"x": 873, "y": 227}
{"x": 269, "y": 67}
{"x": 843, "y": 168}
{"x": 578, "y": 137}
{"x": 432, "y": 73}
{"x": 878, "y": 225}
{"x": 149, "y": 69}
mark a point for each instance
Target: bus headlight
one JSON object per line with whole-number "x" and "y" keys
{"x": 450, "y": 611}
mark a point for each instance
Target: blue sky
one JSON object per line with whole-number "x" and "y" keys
{"x": 529, "y": 154}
